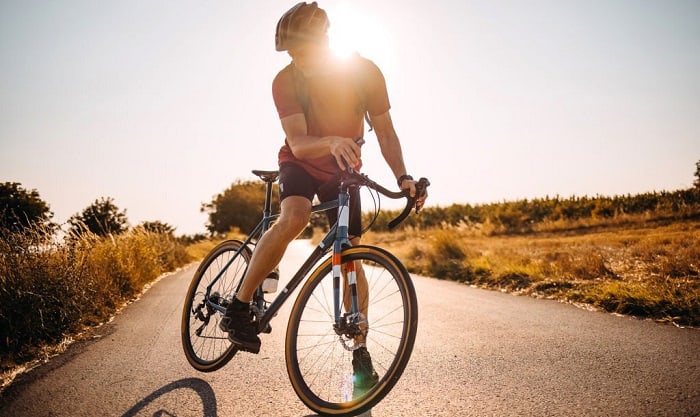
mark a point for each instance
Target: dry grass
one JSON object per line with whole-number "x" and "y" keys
{"x": 202, "y": 248}
{"x": 50, "y": 290}
{"x": 640, "y": 269}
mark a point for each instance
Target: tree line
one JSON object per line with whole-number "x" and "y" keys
{"x": 523, "y": 216}
{"x": 22, "y": 210}
{"x": 240, "y": 205}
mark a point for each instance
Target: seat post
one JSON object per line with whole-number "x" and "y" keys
{"x": 269, "y": 177}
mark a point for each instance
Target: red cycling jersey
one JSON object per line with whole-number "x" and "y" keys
{"x": 333, "y": 104}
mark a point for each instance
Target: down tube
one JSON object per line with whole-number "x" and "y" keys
{"x": 238, "y": 253}
{"x": 303, "y": 271}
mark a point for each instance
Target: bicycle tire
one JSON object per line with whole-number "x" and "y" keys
{"x": 319, "y": 368}
{"x": 206, "y": 346}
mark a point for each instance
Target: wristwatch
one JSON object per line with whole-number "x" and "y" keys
{"x": 402, "y": 178}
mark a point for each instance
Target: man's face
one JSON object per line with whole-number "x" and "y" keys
{"x": 309, "y": 58}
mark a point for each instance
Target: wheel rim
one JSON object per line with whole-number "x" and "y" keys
{"x": 322, "y": 361}
{"x": 207, "y": 342}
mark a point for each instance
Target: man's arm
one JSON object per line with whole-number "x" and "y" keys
{"x": 389, "y": 143}
{"x": 391, "y": 150}
{"x": 304, "y": 146}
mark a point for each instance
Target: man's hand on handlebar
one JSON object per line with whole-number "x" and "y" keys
{"x": 415, "y": 188}
{"x": 346, "y": 152}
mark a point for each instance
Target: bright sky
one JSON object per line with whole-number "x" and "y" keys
{"x": 163, "y": 104}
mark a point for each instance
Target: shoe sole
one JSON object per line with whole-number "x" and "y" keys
{"x": 244, "y": 346}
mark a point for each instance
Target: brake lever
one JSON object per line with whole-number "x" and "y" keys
{"x": 421, "y": 188}
{"x": 359, "y": 141}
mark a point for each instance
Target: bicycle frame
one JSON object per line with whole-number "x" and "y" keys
{"x": 337, "y": 239}
{"x": 363, "y": 292}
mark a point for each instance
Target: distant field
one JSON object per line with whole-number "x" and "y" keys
{"x": 643, "y": 268}
{"x": 649, "y": 269}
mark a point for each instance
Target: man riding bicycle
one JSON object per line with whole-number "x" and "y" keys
{"x": 322, "y": 102}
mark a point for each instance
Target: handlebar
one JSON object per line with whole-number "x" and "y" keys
{"x": 351, "y": 177}
{"x": 421, "y": 188}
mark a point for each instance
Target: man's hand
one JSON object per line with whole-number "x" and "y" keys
{"x": 346, "y": 152}
{"x": 410, "y": 185}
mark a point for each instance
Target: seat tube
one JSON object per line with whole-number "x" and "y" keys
{"x": 267, "y": 208}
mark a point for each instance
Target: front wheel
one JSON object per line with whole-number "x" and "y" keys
{"x": 324, "y": 358}
{"x": 206, "y": 346}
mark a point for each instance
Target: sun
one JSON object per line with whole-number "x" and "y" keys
{"x": 356, "y": 30}
{"x": 343, "y": 38}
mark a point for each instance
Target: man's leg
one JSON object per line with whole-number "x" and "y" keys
{"x": 364, "y": 373}
{"x": 294, "y": 216}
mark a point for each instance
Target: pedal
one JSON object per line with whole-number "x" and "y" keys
{"x": 250, "y": 349}
{"x": 242, "y": 346}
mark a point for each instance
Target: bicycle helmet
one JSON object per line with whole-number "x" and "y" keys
{"x": 302, "y": 23}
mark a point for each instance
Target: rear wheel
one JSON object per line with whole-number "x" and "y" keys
{"x": 206, "y": 346}
{"x": 320, "y": 354}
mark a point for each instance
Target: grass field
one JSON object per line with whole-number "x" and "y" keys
{"x": 51, "y": 291}
{"x": 644, "y": 268}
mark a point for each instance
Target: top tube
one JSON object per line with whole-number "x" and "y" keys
{"x": 351, "y": 178}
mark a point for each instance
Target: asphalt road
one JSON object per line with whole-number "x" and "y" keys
{"x": 478, "y": 353}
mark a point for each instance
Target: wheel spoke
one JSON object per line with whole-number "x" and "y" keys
{"x": 206, "y": 346}
{"x": 321, "y": 361}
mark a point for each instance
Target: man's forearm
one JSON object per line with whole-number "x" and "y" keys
{"x": 391, "y": 150}
{"x": 345, "y": 150}
{"x": 307, "y": 147}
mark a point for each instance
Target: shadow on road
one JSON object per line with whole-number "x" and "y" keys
{"x": 202, "y": 388}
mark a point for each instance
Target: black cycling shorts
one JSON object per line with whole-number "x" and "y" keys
{"x": 294, "y": 180}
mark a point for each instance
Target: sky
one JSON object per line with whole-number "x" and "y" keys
{"x": 162, "y": 104}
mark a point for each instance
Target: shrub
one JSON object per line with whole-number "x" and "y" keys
{"x": 447, "y": 257}
{"x": 102, "y": 218}
{"x": 239, "y": 206}
{"x": 50, "y": 289}
{"x": 21, "y": 209}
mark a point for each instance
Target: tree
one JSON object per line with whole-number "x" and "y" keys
{"x": 158, "y": 227}
{"x": 697, "y": 175}
{"x": 101, "y": 218}
{"x": 240, "y": 206}
{"x": 21, "y": 209}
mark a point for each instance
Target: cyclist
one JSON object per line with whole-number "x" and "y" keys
{"x": 322, "y": 102}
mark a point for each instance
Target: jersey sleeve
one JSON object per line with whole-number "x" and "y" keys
{"x": 284, "y": 94}
{"x": 377, "y": 98}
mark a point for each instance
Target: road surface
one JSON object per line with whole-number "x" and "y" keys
{"x": 478, "y": 353}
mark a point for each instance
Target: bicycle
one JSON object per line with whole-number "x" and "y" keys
{"x": 328, "y": 320}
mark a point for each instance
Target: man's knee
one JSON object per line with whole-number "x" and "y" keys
{"x": 294, "y": 216}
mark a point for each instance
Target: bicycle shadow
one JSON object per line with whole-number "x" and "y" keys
{"x": 201, "y": 387}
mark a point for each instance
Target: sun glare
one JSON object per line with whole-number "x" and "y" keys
{"x": 354, "y": 30}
